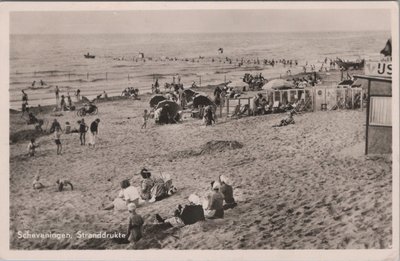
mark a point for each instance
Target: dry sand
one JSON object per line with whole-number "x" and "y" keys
{"x": 304, "y": 186}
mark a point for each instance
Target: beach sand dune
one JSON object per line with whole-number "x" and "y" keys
{"x": 303, "y": 186}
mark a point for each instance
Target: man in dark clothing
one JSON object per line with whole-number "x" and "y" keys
{"x": 94, "y": 131}
{"x": 83, "y": 128}
{"x": 54, "y": 125}
{"x": 187, "y": 215}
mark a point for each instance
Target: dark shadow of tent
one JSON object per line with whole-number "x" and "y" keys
{"x": 278, "y": 84}
{"x": 189, "y": 94}
{"x": 172, "y": 107}
{"x": 346, "y": 82}
{"x": 202, "y": 100}
{"x": 357, "y": 83}
{"x": 156, "y": 99}
{"x": 85, "y": 99}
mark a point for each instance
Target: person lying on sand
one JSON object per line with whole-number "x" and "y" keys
{"x": 213, "y": 205}
{"x": 128, "y": 194}
{"x": 32, "y": 147}
{"x": 162, "y": 188}
{"x": 187, "y": 215}
{"x": 286, "y": 121}
{"x": 61, "y": 183}
{"x": 37, "y": 184}
{"x": 135, "y": 224}
{"x": 227, "y": 191}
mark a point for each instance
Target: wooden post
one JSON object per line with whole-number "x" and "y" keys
{"x": 273, "y": 97}
{"x": 225, "y": 78}
{"x": 249, "y": 106}
{"x": 352, "y": 99}
{"x": 200, "y": 81}
{"x": 367, "y": 124}
{"x": 361, "y": 100}
{"x": 280, "y": 97}
{"x": 227, "y": 107}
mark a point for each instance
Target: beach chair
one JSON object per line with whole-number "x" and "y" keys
{"x": 275, "y": 106}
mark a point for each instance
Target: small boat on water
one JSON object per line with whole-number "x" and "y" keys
{"x": 89, "y": 56}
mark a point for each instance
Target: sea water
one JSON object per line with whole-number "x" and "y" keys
{"x": 58, "y": 60}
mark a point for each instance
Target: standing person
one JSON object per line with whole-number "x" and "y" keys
{"x": 24, "y": 96}
{"x": 24, "y": 102}
{"x": 69, "y": 100}
{"x": 57, "y": 136}
{"x": 32, "y": 147}
{"x": 135, "y": 224}
{"x": 62, "y": 103}
{"x": 54, "y": 125}
{"x": 78, "y": 95}
{"x": 145, "y": 118}
{"x": 94, "y": 131}
{"x": 83, "y": 128}
{"x": 57, "y": 92}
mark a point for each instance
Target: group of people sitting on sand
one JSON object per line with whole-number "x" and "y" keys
{"x": 66, "y": 106}
{"x": 310, "y": 80}
{"x": 212, "y": 206}
{"x": 61, "y": 184}
{"x": 151, "y": 189}
{"x": 129, "y": 92}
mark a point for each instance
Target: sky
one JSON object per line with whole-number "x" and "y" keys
{"x": 198, "y": 21}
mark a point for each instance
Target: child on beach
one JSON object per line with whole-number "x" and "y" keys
{"x": 145, "y": 118}
{"x": 83, "y": 128}
{"x": 61, "y": 183}
{"x": 32, "y": 147}
{"x": 135, "y": 224}
{"x": 36, "y": 183}
{"x": 57, "y": 136}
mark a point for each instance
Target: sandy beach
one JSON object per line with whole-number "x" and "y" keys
{"x": 303, "y": 186}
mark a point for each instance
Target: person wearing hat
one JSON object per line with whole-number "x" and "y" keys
{"x": 94, "y": 130}
{"x": 227, "y": 191}
{"x": 146, "y": 184}
{"x": 213, "y": 207}
{"x": 187, "y": 215}
{"x": 135, "y": 224}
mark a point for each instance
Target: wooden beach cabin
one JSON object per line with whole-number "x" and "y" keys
{"x": 379, "y": 114}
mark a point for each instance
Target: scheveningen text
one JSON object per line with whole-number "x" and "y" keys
{"x": 28, "y": 234}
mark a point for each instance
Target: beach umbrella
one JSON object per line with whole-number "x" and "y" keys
{"x": 189, "y": 94}
{"x": 172, "y": 106}
{"x": 156, "y": 99}
{"x": 236, "y": 83}
{"x": 202, "y": 100}
{"x": 278, "y": 84}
